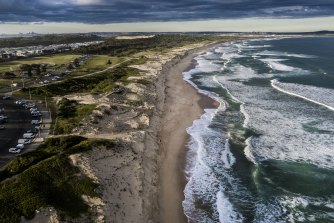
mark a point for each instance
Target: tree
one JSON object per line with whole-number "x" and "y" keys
{"x": 76, "y": 62}
{"x": 38, "y": 71}
{"x": 70, "y": 67}
{"x": 44, "y": 68}
{"x": 26, "y": 68}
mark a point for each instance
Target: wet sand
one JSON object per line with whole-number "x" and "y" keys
{"x": 183, "y": 105}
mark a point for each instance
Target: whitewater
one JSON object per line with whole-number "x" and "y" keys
{"x": 265, "y": 154}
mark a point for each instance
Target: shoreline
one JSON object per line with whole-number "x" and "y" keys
{"x": 182, "y": 105}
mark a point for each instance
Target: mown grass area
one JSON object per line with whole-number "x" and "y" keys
{"x": 5, "y": 84}
{"x": 98, "y": 83}
{"x": 97, "y": 63}
{"x": 45, "y": 178}
{"x": 54, "y": 60}
{"x": 70, "y": 114}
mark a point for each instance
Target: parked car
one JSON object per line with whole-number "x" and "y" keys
{"x": 20, "y": 146}
{"x": 2, "y": 127}
{"x": 6, "y": 97}
{"x": 28, "y": 135}
{"x": 36, "y": 122}
{"x": 14, "y": 150}
{"x": 24, "y": 141}
{"x": 36, "y": 114}
{"x": 33, "y": 130}
{"x": 29, "y": 105}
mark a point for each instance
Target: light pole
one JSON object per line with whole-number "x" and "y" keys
{"x": 46, "y": 103}
{"x": 11, "y": 86}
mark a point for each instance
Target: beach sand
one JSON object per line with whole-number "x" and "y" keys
{"x": 183, "y": 105}
{"x": 141, "y": 175}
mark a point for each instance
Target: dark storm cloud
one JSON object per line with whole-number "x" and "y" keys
{"x": 109, "y": 11}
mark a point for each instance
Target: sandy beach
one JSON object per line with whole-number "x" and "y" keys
{"x": 141, "y": 172}
{"x": 182, "y": 106}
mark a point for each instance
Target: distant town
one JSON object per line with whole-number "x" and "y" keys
{"x": 7, "y": 54}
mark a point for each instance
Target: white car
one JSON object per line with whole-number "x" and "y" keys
{"x": 28, "y": 135}
{"x": 20, "y": 146}
{"x": 24, "y": 141}
{"x": 36, "y": 114}
{"x": 14, "y": 150}
{"x": 36, "y": 122}
{"x": 33, "y": 109}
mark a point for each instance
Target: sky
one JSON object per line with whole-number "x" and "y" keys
{"x": 56, "y": 16}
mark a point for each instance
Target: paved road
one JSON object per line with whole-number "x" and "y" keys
{"x": 19, "y": 121}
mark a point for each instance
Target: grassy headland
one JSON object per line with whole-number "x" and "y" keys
{"x": 45, "y": 178}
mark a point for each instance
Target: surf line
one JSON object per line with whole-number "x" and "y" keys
{"x": 248, "y": 149}
{"x": 274, "y": 81}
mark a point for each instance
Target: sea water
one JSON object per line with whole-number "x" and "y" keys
{"x": 267, "y": 153}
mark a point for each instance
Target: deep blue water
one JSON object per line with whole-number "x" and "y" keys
{"x": 267, "y": 153}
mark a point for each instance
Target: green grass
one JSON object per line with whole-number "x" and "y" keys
{"x": 57, "y": 60}
{"x": 70, "y": 114}
{"x": 96, "y": 63}
{"x": 6, "y": 83}
{"x": 45, "y": 178}
{"x": 98, "y": 83}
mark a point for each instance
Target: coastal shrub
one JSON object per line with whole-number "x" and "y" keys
{"x": 45, "y": 180}
{"x": 51, "y": 147}
{"x": 87, "y": 84}
{"x": 124, "y": 47}
{"x": 19, "y": 164}
{"x": 70, "y": 114}
{"x": 67, "y": 108}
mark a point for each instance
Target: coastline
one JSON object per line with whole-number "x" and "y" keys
{"x": 141, "y": 173}
{"x": 182, "y": 105}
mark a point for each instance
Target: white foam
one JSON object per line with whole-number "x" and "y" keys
{"x": 220, "y": 84}
{"x": 283, "y": 54}
{"x": 280, "y": 123}
{"x": 207, "y": 147}
{"x": 319, "y": 96}
{"x": 227, "y": 157}
{"x": 279, "y": 120}
{"x": 273, "y": 60}
{"x": 251, "y": 47}
{"x": 275, "y": 65}
{"x": 292, "y": 209}
{"x": 227, "y": 214}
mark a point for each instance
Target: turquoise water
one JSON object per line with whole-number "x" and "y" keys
{"x": 267, "y": 153}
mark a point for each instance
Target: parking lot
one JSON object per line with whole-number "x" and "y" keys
{"x": 18, "y": 122}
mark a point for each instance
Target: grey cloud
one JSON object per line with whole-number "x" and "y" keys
{"x": 108, "y": 11}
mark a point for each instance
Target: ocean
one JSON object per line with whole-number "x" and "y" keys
{"x": 267, "y": 153}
